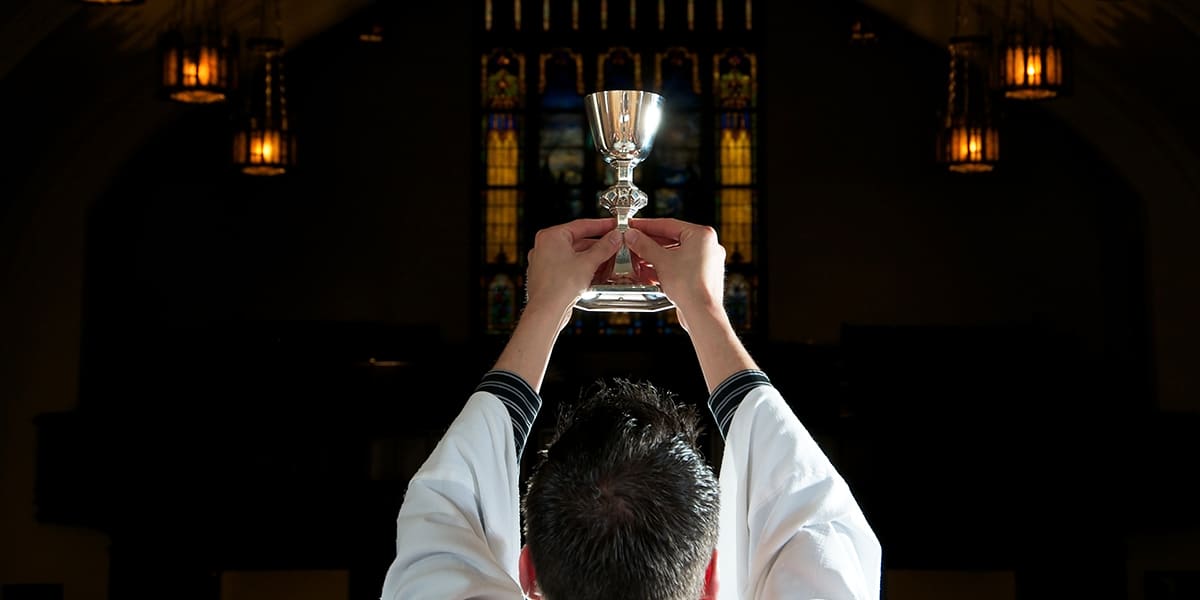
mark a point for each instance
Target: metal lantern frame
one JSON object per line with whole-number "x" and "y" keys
{"x": 199, "y": 58}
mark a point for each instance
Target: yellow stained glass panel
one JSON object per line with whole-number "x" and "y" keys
{"x": 737, "y": 224}
{"x": 734, "y": 159}
{"x": 503, "y": 156}
{"x": 500, "y": 224}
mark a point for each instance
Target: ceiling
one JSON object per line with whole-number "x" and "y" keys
{"x": 26, "y": 23}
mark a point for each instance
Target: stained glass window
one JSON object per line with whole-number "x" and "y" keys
{"x": 677, "y": 75}
{"x": 561, "y": 149}
{"x": 679, "y": 147}
{"x": 562, "y": 137}
{"x": 735, "y": 78}
{"x": 678, "y": 150}
{"x": 503, "y": 80}
{"x": 502, "y": 92}
{"x": 735, "y": 84}
{"x": 537, "y": 164}
{"x": 560, "y": 82}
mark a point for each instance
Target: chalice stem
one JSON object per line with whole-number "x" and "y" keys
{"x": 623, "y": 266}
{"x": 624, "y": 210}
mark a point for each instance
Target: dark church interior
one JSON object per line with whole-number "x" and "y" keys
{"x": 256, "y": 254}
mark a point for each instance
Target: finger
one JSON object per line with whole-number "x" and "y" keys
{"x": 670, "y": 229}
{"x": 665, "y": 242}
{"x": 645, "y": 246}
{"x": 602, "y": 250}
{"x": 584, "y": 244}
{"x": 589, "y": 228}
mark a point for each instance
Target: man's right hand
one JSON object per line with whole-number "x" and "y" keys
{"x": 690, "y": 266}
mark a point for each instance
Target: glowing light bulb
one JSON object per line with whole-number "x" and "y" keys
{"x": 202, "y": 71}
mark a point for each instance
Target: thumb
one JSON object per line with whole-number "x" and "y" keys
{"x": 644, "y": 246}
{"x": 603, "y": 249}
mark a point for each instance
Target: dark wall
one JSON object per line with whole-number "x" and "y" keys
{"x": 865, "y": 229}
{"x": 373, "y": 224}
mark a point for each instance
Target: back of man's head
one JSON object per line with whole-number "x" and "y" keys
{"x": 622, "y": 504}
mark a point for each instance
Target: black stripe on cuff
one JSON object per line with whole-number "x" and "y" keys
{"x": 521, "y": 401}
{"x": 725, "y": 400}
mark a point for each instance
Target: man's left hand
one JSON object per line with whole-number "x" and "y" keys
{"x": 563, "y": 261}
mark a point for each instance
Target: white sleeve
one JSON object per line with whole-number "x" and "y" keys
{"x": 790, "y": 527}
{"x": 458, "y": 532}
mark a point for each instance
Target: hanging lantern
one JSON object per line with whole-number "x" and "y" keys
{"x": 969, "y": 141}
{"x": 263, "y": 143}
{"x": 1031, "y": 58}
{"x": 199, "y": 60}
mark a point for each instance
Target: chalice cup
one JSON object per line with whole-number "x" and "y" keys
{"x": 623, "y": 125}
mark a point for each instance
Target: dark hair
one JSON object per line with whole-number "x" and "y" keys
{"x": 622, "y": 504}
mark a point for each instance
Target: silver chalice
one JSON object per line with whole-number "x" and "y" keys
{"x": 623, "y": 125}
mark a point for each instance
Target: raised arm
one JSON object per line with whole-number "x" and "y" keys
{"x": 458, "y": 531}
{"x": 561, "y": 265}
{"x": 790, "y": 527}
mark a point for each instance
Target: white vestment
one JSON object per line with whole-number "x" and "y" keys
{"x": 789, "y": 526}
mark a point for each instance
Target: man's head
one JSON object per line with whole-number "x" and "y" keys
{"x": 622, "y": 504}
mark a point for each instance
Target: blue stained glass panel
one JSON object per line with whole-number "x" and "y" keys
{"x": 561, "y": 77}
{"x": 561, "y": 151}
{"x": 677, "y": 150}
{"x": 680, "y": 83}
{"x": 668, "y": 202}
{"x": 620, "y": 71}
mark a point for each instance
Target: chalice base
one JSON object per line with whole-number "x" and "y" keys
{"x": 619, "y": 297}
